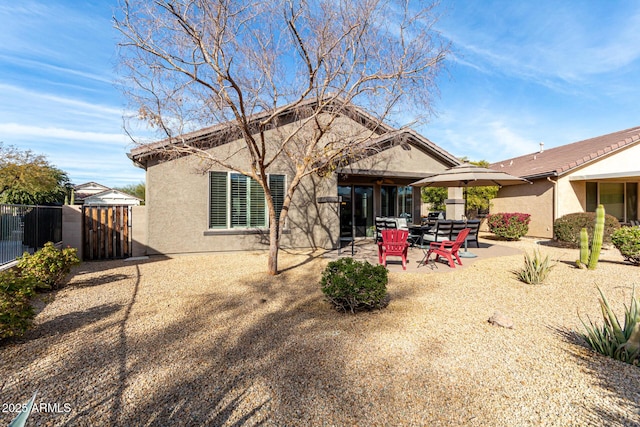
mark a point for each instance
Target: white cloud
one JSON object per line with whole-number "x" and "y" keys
{"x": 546, "y": 41}
{"x": 28, "y": 131}
{"x": 20, "y": 95}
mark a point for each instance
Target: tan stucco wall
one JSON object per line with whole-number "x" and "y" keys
{"x": 177, "y": 200}
{"x": 139, "y": 231}
{"x": 571, "y": 196}
{"x": 177, "y": 203}
{"x": 405, "y": 158}
{"x": 535, "y": 199}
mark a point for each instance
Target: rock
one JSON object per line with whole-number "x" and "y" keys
{"x": 499, "y": 319}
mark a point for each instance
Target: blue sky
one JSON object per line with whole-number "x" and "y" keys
{"x": 521, "y": 73}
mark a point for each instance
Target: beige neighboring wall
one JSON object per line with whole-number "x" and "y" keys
{"x": 138, "y": 231}
{"x": 572, "y": 196}
{"x": 535, "y": 199}
{"x": 72, "y": 227}
{"x": 621, "y": 166}
{"x": 623, "y": 163}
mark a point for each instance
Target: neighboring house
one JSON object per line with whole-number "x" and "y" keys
{"x": 575, "y": 178}
{"x": 191, "y": 210}
{"x": 94, "y": 194}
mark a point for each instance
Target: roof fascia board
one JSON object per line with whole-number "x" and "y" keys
{"x": 614, "y": 175}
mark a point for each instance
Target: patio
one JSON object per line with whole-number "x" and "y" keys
{"x": 367, "y": 250}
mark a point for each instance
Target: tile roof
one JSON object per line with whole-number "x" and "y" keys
{"x": 565, "y": 158}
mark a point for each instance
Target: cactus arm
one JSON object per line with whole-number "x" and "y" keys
{"x": 598, "y": 234}
{"x": 584, "y": 247}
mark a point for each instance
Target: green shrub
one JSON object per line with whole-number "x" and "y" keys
{"x": 352, "y": 285}
{"x": 509, "y": 226}
{"x": 567, "y": 228}
{"x": 613, "y": 340}
{"x": 535, "y": 269}
{"x": 48, "y": 266}
{"x": 627, "y": 241}
{"x": 16, "y": 311}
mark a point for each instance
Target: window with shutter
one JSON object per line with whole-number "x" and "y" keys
{"x": 257, "y": 204}
{"x": 218, "y": 200}
{"x": 237, "y": 201}
{"x": 277, "y": 187}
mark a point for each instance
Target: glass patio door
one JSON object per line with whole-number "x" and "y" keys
{"x": 356, "y": 209}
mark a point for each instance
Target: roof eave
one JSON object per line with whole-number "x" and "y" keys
{"x": 147, "y": 150}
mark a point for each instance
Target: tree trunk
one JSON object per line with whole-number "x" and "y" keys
{"x": 274, "y": 244}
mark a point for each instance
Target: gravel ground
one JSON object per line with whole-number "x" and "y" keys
{"x": 212, "y": 340}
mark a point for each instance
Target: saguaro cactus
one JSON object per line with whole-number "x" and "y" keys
{"x": 589, "y": 258}
{"x": 598, "y": 233}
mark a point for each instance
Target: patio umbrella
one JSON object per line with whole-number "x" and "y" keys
{"x": 468, "y": 175}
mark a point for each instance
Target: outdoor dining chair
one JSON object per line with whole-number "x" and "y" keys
{"x": 456, "y": 228}
{"x": 439, "y": 232}
{"x": 474, "y": 227}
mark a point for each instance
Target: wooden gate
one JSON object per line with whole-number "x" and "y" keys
{"x": 106, "y": 232}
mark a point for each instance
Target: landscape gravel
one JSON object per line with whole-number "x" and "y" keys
{"x": 213, "y": 340}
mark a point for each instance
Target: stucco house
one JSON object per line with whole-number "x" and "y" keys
{"x": 194, "y": 210}
{"x": 575, "y": 178}
{"x": 94, "y": 194}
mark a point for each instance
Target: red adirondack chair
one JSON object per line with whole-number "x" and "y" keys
{"x": 394, "y": 242}
{"x": 448, "y": 248}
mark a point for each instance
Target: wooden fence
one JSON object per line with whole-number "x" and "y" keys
{"x": 106, "y": 232}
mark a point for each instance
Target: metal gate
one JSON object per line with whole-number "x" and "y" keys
{"x": 106, "y": 232}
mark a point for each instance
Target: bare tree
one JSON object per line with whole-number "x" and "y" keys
{"x": 194, "y": 63}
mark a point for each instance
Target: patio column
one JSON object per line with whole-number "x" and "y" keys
{"x": 455, "y": 203}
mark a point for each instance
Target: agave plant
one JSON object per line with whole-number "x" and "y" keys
{"x": 612, "y": 339}
{"x": 21, "y": 419}
{"x": 535, "y": 269}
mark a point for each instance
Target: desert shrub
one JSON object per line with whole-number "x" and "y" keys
{"x": 48, "y": 266}
{"x": 567, "y": 228}
{"x": 627, "y": 241}
{"x": 509, "y": 226}
{"x": 535, "y": 269}
{"x": 16, "y": 311}
{"x": 612, "y": 339}
{"x": 352, "y": 285}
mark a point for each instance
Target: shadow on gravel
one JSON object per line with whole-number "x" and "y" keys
{"x": 99, "y": 280}
{"x": 69, "y": 322}
{"x": 616, "y": 377}
{"x": 251, "y": 350}
{"x": 289, "y": 364}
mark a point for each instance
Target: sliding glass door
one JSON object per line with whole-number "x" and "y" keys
{"x": 396, "y": 201}
{"x": 620, "y": 199}
{"x": 356, "y": 209}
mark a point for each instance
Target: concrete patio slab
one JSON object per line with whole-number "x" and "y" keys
{"x": 366, "y": 250}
